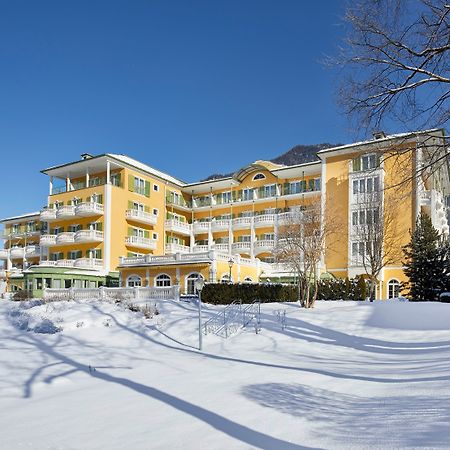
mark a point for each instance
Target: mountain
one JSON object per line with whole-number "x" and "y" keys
{"x": 296, "y": 155}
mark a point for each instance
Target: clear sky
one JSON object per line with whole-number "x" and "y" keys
{"x": 190, "y": 87}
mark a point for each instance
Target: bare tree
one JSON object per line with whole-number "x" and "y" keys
{"x": 396, "y": 61}
{"x": 376, "y": 235}
{"x": 301, "y": 246}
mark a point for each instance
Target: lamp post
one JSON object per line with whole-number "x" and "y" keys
{"x": 199, "y": 283}
{"x": 230, "y": 265}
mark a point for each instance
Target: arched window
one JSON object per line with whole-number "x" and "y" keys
{"x": 259, "y": 176}
{"x": 162, "y": 280}
{"x": 393, "y": 289}
{"x": 190, "y": 282}
{"x": 134, "y": 281}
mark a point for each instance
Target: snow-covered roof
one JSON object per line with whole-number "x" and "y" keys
{"x": 22, "y": 216}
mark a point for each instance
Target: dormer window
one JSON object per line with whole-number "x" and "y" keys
{"x": 259, "y": 176}
{"x": 366, "y": 162}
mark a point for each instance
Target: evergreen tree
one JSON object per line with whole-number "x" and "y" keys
{"x": 426, "y": 262}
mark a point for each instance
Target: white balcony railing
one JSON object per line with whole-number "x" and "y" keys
{"x": 65, "y": 262}
{"x": 65, "y": 238}
{"x": 265, "y": 220}
{"x": 89, "y": 263}
{"x": 89, "y": 236}
{"x": 47, "y": 240}
{"x": 140, "y": 242}
{"x": 242, "y": 222}
{"x": 221, "y": 247}
{"x": 201, "y": 227}
{"x": 172, "y": 248}
{"x": 200, "y": 248}
{"x": 141, "y": 216}
{"x": 65, "y": 211}
{"x": 48, "y": 214}
{"x": 264, "y": 245}
{"x": 89, "y": 209}
{"x": 178, "y": 227}
{"x": 17, "y": 252}
{"x": 48, "y": 263}
{"x": 220, "y": 225}
{"x": 243, "y": 247}
{"x": 32, "y": 251}
{"x": 3, "y": 254}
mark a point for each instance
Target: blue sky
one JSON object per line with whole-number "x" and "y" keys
{"x": 189, "y": 87}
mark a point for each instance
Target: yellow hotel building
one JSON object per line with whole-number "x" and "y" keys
{"x": 111, "y": 220}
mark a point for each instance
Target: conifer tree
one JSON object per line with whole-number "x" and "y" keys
{"x": 426, "y": 262}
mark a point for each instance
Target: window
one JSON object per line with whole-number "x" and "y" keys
{"x": 259, "y": 176}
{"x": 190, "y": 283}
{"x": 247, "y": 194}
{"x": 365, "y": 216}
{"x": 115, "y": 179}
{"x": 245, "y": 238}
{"x": 226, "y": 278}
{"x": 367, "y": 184}
{"x": 162, "y": 280}
{"x": 268, "y": 191}
{"x": 393, "y": 289}
{"x": 155, "y": 236}
{"x": 223, "y": 197}
{"x": 155, "y": 187}
{"x": 366, "y": 162}
{"x": 155, "y": 212}
{"x": 134, "y": 281}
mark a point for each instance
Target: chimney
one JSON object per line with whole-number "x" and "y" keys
{"x": 378, "y": 134}
{"x": 86, "y": 156}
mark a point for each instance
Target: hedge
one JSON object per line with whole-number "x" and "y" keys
{"x": 224, "y": 293}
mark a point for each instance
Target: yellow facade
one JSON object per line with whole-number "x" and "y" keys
{"x": 104, "y": 211}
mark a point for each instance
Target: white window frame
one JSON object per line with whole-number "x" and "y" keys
{"x": 163, "y": 276}
{"x": 393, "y": 284}
{"x": 136, "y": 280}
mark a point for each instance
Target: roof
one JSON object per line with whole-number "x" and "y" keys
{"x": 22, "y": 216}
{"x": 386, "y": 139}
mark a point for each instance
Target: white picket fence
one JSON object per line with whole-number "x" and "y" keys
{"x": 113, "y": 294}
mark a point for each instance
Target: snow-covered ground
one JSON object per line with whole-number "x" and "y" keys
{"x": 344, "y": 375}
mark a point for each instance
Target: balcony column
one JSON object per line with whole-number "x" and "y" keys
{"x": 50, "y": 189}
{"x": 108, "y": 172}
{"x": 147, "y": 277}
{"x": 252, "y": 238}
{"x": 230, "y": 236}
{"x": 68, "y": 184}
{"x": 192, "y": 238}
{"x": 210, "y": 236}
{"x": 87, "y": 178}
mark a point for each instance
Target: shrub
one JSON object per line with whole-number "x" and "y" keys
{"x": 21, "y": 296}
{"x": 342, "y": 289}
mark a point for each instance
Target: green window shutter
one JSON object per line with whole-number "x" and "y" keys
{"x": 146, "y": 209}
{"x": 99, "y": 254}
{"x": 130, "y": 254}
{"x": 260, "y": 191}
{"x": 99, "y": 226}
{"x": 356, "y": 164}
{"x": 311, "y": 185}
{"x": 130, "y": 231}
{"x": 131, "y": 183}
{"x": 130, "y": 204}
{"x": 303, "y": 186}
{"x": 100, "y": 199}
{"x": 79, "y": 254}
{"x": 146, "y": 234}
{"x": 147, "y": 189}
{"x": 286, "y": 188}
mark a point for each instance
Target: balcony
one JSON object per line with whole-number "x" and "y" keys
{"x": 222, "y": 247}
{"x": 89, "y": 263}
{"x": 17, "y": 252}
{"x": 88, "y": 236}
{"x": 2, "y": 273}
{"x": 200, "y": 248}
{"x": 65, "y": 212}
{"x": 220, "y": 225}
{"x": 141, "y": 216}
{"x": 173, "y": 248}
{"x": 47, "y": 240}
{"x": 264, "y": 245}
{"x": 201, "y": 227}
{"x": 48, "y": 215}
{"x": 65, "y": 238}
{"x": 264, "y": 220}
{"x": 89, "y": 209}
{"x": 241, "y": 247}
{"x": 3, "y": 254}
{"x": 140, "y": 242}
{"x": 242, "y": 222}
{"x": 179, "y": 202}
{"x": 179, "y": 227}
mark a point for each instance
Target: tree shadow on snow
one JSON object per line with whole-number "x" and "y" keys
{"x": 365, "y": 422}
